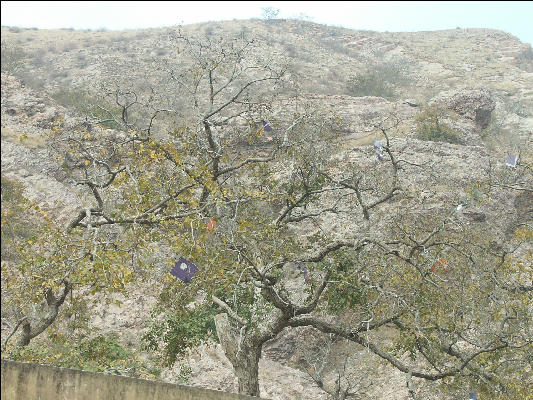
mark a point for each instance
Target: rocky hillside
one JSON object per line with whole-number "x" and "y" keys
{"x": 484, "y": 76}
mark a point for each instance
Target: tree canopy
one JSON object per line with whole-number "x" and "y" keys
{"x": 287, "y": 228}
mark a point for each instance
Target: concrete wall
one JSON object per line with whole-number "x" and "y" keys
{"x": 23, "y": 381}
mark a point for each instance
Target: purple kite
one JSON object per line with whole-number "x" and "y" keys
{"x": 266, "y": 126}
{"x": 306, "y": 274}
{"x": 184, "y": 270}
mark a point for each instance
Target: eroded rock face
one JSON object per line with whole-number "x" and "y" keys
{"x": 476, "y": 105}
{"x": 523, "y": 204}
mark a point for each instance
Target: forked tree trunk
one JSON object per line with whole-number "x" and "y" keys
{"x": 242, "y": 351}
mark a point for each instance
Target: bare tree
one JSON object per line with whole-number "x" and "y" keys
{"x": 269, "y": 13}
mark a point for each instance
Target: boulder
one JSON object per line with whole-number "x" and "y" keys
{"x": 476, "y": 105}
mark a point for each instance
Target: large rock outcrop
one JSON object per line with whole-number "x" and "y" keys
{"x": 476, "y": 105}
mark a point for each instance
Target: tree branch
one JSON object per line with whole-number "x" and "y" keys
{"x": 228, "y": 309}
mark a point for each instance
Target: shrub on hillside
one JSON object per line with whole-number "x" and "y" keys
{"x": 379, "y": 79}
{"x": 369, "y": 84}
{"x": 524, "y": 60}
{"x": 12, "y": 58}
{"x": 31, "y": 79}
{"x": 84, "y": 104}
{"x": 430, "y": 125}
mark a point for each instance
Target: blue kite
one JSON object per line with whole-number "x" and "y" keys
{"x": 511, "y": 160}
{"x": 297, "y": 265}
{"x": 378, "y": 148}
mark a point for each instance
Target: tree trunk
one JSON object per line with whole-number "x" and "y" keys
{"x": 29, "y": 330}
{"x": 247, "y": 371}
{"x": 243, "y": 352}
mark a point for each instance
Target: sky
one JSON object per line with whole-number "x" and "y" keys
{"x": 514, "y": 17}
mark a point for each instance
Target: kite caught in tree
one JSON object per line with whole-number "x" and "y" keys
{"x": 184, "y": 270}
{"x": 306, "y": 274}
{"x": 210, "y": 224}
{"x": 511, "y": 160}
{"x": 439, "y": 264}
{"x": 378, "y": 148}
{"x": 266, "y": 126}
{"x": 296, "y": 265}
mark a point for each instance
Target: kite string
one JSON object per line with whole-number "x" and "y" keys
{"x": 367, "y": 322}
{"x": 236, "y": 286}
{"x": 193, "y": 242}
